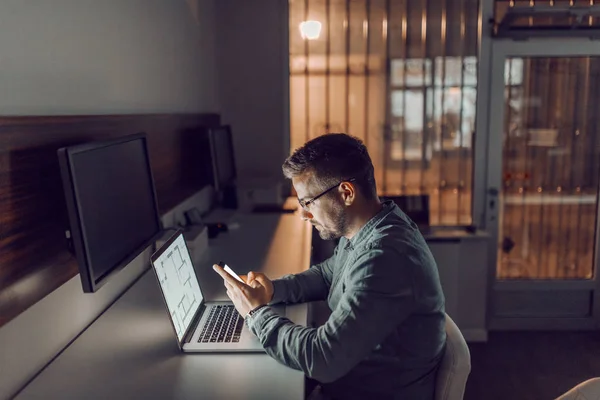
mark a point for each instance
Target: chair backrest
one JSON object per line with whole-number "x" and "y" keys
{"x": 589, "y": 389}
{"x": 454, "y": 370}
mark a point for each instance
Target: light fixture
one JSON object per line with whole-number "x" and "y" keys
{"x": 310, "y": 30}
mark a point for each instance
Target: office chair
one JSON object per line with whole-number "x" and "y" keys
{"x": 454, "y": 370}
{"x": 588, "y": 390}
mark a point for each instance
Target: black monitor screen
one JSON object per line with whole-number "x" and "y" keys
{"x": 223, "y": 157}
{"x": 113, "y": 204}
{"x": 415, "y": 206}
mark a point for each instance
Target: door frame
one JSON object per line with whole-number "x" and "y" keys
{"x": 491, "y": 149}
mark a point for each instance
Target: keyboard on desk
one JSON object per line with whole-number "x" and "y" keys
{"x": 223, "y": 325}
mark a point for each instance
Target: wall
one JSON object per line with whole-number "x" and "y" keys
{"x": 73, "y": 57}
{"x": 252, "y": 54}
{"x": 102, "y": 57}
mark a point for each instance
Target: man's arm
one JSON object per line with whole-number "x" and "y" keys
{"x": 379, "y": 298}
{"x": 310, "y": 285}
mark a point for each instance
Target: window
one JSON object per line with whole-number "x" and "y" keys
{"x": 402, "y": 77}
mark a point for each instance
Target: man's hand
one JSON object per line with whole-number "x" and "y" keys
{"x": 261, "y": 279}
{"x": 257, "y": 290}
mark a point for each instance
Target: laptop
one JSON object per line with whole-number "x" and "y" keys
{"x": 200, "y": 326}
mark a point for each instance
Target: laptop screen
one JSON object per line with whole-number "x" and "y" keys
{"x": 178, "y": 282}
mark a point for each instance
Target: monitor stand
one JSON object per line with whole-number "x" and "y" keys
{"x": 229, "y": 198}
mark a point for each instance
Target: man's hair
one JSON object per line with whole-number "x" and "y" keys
{"x": 332, "y": 158}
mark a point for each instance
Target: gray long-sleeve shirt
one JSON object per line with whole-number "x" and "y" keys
{"x": 385, "y": 336}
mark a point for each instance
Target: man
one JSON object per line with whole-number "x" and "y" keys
{"x": 385, "y": 336}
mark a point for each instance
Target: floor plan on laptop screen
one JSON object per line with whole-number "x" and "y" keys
{"x": 179, "y": 284}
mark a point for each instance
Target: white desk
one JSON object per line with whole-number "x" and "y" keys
{"x": 130, "y": 352}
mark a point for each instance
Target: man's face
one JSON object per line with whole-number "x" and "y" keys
{"x": 327, "y": 213}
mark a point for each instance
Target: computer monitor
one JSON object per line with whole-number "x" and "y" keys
{"x": 223, "y": 164}
{"x": 111, "y": 204}
{"x": 416, "y": 207}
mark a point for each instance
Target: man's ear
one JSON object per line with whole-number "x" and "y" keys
{"x": 348, "y": 192}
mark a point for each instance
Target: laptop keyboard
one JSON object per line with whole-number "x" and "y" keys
{"x": 223, "y": 325}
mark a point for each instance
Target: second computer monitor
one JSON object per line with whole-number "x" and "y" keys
{"x": 223, "y": 161}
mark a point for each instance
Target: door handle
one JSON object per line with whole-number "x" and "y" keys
{"x": 492, "y": 193}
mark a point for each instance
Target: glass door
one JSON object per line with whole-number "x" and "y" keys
{"x": 542, "y": 184}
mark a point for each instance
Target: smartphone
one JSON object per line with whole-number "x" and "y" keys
{"x": 229, "y": 271}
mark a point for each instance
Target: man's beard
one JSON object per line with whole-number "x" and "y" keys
{"x": 341, "y": 224}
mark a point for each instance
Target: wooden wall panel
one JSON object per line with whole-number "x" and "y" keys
{"x": 34, "y": 259}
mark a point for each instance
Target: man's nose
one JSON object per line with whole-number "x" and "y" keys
{"x": 305, "y": 215}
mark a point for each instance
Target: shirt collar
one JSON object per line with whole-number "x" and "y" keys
{"x": 364, "y": 232}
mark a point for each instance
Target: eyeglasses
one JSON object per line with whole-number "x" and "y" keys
{"x": 306, "y": 203}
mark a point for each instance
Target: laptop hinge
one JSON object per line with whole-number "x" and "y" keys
{"x": 192, "y": 329}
